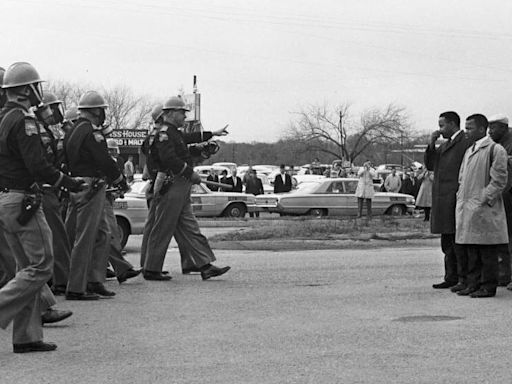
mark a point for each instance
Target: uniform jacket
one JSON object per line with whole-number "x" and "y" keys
{"x": 169, "y": 150}
{"x": 281, "y": 185}
{"x": 365, "y": 188}
{"x": 445, "y": 162}
{"x": 480, "y": 214}
{"x": 424, "y": 199}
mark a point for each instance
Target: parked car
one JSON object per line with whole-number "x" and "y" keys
{"x": 131, "y": 211}
{"x": 204, "y": 170}
{"x": 334, "y": 197}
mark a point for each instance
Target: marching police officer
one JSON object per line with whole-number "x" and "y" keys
{"x": 52, "y": 139}
{"x": 173, "y": 210}
{"x": 87, "y": 155}
{"x": 27, "y": 234}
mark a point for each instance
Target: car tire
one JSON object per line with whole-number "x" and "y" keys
{"x": 396, "y": 210}
{"x": 318, "y": 212}
{"x": 235, "y": 210}
{"x": 124, "y": 230}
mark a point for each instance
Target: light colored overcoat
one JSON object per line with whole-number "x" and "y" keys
{"x": 365, "y": 188}
{"x": 479, "y": 213}
{"x": 424, "y": 199}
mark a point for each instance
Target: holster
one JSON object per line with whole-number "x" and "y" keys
{"x": 96, "y": 185}
{"x": 30, "y": 204}
{"x": 163, "y": 182}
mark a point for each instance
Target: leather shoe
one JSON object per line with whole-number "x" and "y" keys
{"x": 54, "y": 316}
{"x": 482, "y": 292}
{"x": 443, "y": 285}
{"x": 458, "y": 287}
{"x": 188, "y": 271}
{"x": 81, "y": 296}
{"x": 99, "y": 289}
{"x": 38, "y": 346}
{"x": 213, "y": 271}
{"x": 110, "y": 274}
{"x": 466, "y": 292}
{"x": 58, "y": 290}
{"x": 128, "y": 275}
{"x": 156, "y": 276}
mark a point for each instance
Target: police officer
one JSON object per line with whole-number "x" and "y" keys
{"x": 52, "y": 139}
{"x": 87, "y": 155}
{"x": 123, "y": 269}
{"x": 28, "y": 236}
{"x": 173, "y": 210}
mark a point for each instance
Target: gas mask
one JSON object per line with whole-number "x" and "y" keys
{"x": 35, "y": 95}
{"x": 57, "y": 113}
{"x": 44, "y": 114}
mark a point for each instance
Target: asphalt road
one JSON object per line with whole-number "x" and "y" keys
{"x": 335, "y": 316}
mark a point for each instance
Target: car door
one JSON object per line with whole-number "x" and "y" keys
{"x": 349, "y": 194}
{"x": 202, "y": 200}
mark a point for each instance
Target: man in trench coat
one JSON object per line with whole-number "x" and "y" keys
{"x": 445, "y": 161}
{"x": 481, "y": 223}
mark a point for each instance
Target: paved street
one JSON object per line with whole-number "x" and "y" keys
{"x": 361, "y": 316}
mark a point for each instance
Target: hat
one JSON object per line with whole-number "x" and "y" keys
{"x": 499, "y": 118}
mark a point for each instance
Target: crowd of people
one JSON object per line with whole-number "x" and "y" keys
{"x": 59, "y": 176}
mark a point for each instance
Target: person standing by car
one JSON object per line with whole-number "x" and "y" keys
{"x": 424, "y": 200}
{"x": 213, "y": 177}
{"x": 282, "y": 181}
{"x": 365, "y": 189}
{"x": 254, "y": 186}
{"x": 173, "y": 184}
{"x": 235, "y": 181}
{"x": 445, "y": 162}
{"x": 129, "y": 169}
{"x": 393, "y": 182}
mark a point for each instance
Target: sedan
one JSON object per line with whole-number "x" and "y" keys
{"x": 335, "y": 197}
{"x": 131, "y": 211}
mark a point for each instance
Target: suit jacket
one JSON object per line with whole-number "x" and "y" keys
{"x": 445, "y": 161}
{"x": 229, "y": 180}
{"x": 214, "y": 178}
{"x": 281, "y": 185}
{"x": 254, "y": 186}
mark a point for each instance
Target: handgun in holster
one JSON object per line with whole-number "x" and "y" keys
{"x": 30, "y": 204}
{"x": 96, "y": 185}
{"x": 163, "y": 182}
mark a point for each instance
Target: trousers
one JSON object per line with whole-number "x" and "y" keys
{"x": 455, "y": 259}
{"x": 148, "y": 227}
{"x": 87, "y": 225}
{"x": 31, "y": 246}
{"x": 61, "y": 248}
{"x": 482, "y": 266}
{"x": 174, "y": 217}
{"x": 115, "y": 257}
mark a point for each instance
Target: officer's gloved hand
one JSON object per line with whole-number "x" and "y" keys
{"x": 74, "y": 184}
{"x": 195, "y": 178}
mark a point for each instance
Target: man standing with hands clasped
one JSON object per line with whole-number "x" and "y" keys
{"x": 481, "y": 224}
{"x": 445, "y": 161}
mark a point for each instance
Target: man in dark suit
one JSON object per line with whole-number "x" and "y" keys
{"x": 254, "y": 186}
{"x": 283, "y": 181}
{"x": 235, "y": 181}
{"x": 445, "y": 161}
{"x": 213, "y": 177}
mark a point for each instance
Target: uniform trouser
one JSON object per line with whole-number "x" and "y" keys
{"x": 89, "y": 256}
{"x": 148, "y": 227}
{"x": 455, "y": 259}
{"x": 174, "y": 217}
{"x": 115, "y": 257}
{"x": 505, "y": 250}
{"x": 482, "y": 266}
{"x": 61, "y": 247}
{"x": 31, "y": 246}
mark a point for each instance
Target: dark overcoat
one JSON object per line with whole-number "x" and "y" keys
{"x": 445, "y": 161}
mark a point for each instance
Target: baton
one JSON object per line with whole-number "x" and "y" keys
{"x": 220, "y": 185}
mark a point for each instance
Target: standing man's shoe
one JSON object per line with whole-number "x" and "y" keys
{"x": 131, "y": 273}
{"x": 37, "y": 346}
{"x": 155, "y": 276}
{"x": 466, "y": 292}
{"x": 443, "y": 285}
{"x": 482, "y": 292}
{"x": 210, "y": 271}
{"x": 458, "y": 287}
{"x": 99, "y": 289}
{"x": 54, "y": 316}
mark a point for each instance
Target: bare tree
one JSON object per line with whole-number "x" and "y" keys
{"x": 68, "y": 92}
{"x": 334, "y": 133}
{"x": 126, "y": 110}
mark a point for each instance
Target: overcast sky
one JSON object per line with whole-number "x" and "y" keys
{"x": 257, "y": 62}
